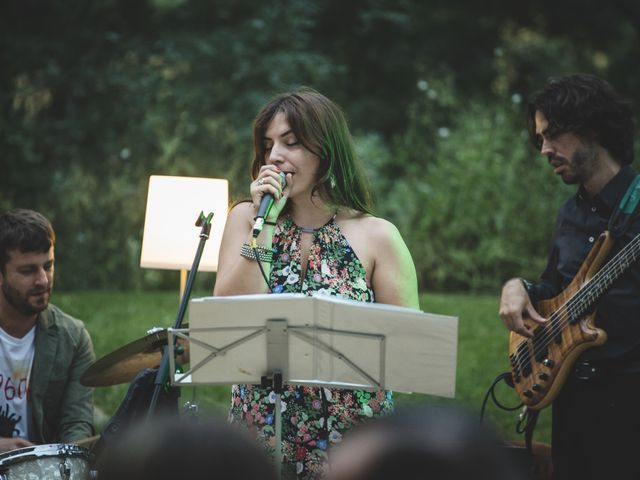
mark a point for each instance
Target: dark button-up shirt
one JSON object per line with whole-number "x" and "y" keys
{"x": 581, "y": 219}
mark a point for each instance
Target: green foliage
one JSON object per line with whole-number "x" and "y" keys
{"x": 471, "y": 197}
{"x": 97, "y": 96}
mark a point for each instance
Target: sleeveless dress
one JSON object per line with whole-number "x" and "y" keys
{"x": 312, "y": 417}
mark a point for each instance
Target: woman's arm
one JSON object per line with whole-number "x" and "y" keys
{"x": 393, "y": 276}
{"x": 238, "y": 275}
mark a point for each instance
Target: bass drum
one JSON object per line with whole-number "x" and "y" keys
{"x": 57, "y": 461}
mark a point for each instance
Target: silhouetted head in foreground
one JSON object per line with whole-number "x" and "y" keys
{"x": 431, "y": 443}
{"x": 171, "y": 448}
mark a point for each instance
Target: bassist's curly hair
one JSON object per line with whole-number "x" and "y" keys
{"x": 589, "y": 107}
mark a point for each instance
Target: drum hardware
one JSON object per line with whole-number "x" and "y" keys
{"x": 162, "y": 375}
{"x": 51, "y": 461}
{"x": 65, "y": 469}
{"x": 190, "y": 408}
{"x": 137, "y": 361}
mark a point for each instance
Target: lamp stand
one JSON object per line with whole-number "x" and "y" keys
{"x": 183, "y": 281}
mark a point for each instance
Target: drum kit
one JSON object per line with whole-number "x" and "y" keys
{"x": 72, "y": 461}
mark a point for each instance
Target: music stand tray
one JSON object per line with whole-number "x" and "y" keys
{"x": 323, "y": 340}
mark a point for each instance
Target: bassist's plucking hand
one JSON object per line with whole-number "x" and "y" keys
{"x": 515, "y": 305}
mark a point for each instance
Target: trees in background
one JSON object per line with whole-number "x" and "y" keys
{"x": 97, "y": 96}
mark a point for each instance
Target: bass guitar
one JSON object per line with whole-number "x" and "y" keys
{"x": 540, "y": 365}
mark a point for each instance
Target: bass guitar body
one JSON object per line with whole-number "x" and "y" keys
{"x": 540, "y": 365}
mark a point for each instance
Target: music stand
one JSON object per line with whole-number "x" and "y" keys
{"x": 320, "y": 340}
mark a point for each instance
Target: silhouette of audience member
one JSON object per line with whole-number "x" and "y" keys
{"x": 173, "y": 447}
{"x": 433, "y": 443}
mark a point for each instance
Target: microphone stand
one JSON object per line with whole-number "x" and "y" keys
{"x": 163, "y": 369}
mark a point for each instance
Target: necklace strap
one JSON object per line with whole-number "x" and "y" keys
{"x": 312, "y": 230}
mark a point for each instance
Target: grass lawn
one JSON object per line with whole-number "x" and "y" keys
{"x": 116, "y": 319}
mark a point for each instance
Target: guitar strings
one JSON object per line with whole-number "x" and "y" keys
{"x": 573, "y": 304}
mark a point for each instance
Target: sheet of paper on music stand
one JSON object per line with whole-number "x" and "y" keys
{"x": 419, "y": 353}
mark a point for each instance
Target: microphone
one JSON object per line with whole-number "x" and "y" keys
{"x": 265, "y": 207}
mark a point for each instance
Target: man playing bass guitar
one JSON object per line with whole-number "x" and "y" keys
{"x": 575, "y": 340}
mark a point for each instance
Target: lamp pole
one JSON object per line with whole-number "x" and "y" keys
{"x": 183, "y": 281}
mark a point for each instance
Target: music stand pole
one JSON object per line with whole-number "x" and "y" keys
{"x": 277, "y": 371}
{"x": 163, "y": 369}
{"x": 275, "y": 382}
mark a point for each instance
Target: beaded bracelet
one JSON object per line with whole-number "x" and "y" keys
{"x": 263, "y": 254}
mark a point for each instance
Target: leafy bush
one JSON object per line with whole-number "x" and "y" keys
{"x": 473, "y": 200}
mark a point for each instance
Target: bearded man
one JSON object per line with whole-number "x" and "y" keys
{"x": 585, "y": 129}
{"x": 43, "y": 351}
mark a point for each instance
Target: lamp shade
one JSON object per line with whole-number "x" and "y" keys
{"x": 171, "y": 238}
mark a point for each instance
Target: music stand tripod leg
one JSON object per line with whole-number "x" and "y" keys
{"x": 275, "y": 382}
{"x": 278, "y": 366}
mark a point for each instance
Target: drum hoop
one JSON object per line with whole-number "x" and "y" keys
{"x": 41, "y": 451}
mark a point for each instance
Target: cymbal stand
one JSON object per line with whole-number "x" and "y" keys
{"x": 163, "y": 369}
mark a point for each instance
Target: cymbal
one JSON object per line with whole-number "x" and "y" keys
{"x": 123, "y": 364}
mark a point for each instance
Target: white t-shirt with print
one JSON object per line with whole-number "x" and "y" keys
{"x": 16, "y": 359}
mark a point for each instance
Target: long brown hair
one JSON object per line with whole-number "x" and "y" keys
{"x": 320, "y": 126}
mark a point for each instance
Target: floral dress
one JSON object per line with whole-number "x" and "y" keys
{"x": 312, "y": 417}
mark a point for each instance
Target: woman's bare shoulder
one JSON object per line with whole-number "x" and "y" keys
{"x": 367, "y": 222}
{"x": 368, "y": 228}
{"x": 242, "y": 210}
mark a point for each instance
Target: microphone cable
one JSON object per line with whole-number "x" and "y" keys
{"x": 254, "y": 248}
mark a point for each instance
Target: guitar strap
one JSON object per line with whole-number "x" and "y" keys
{"x": 621, "y": 217}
